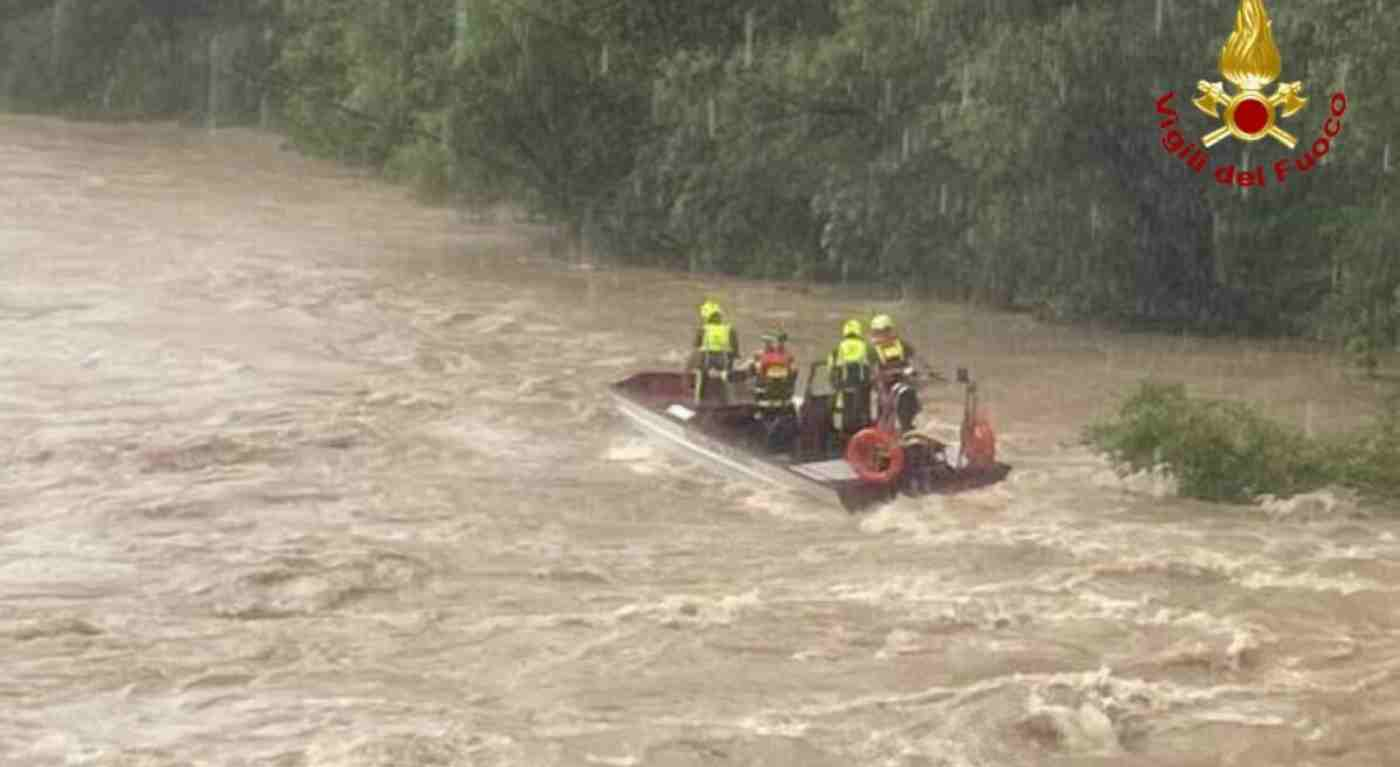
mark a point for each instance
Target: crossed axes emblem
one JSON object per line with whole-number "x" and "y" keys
{"x": 1249, "y": 114}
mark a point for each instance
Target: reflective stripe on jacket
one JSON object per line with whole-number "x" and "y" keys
{"x": 850, "y": 362}
{"x": 890, "y": 352}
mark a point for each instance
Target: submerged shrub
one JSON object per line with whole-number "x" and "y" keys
{"x": 1369, "y": 460}
{"x": 1218, "y": 451}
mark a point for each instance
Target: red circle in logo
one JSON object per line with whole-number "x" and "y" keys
{"x": 1251, "y": 116}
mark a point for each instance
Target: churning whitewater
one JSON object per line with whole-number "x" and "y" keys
{"x": 299, "y": 473}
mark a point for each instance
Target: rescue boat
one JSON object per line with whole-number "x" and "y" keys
{"x": 799, "y": 449}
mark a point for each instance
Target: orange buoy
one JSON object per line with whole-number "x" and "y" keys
{"x": 876, "y": 456}
{"x": 979, "y": 443}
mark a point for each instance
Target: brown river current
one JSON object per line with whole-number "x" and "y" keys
{"x": 297, "y": 473}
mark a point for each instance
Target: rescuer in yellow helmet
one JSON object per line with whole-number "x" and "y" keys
{"x": 895, "y": 369}
{"x": 851, "y": 365}
{"x": 717, "y": 346}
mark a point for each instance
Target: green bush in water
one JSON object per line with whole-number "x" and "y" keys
{"x": 1370, "y": 460}
{"x": 1218, "y": 451}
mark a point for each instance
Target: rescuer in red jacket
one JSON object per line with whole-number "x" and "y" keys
{"x": 775, "y": 374}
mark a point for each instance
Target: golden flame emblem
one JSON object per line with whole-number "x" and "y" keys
{"x": 1251, "y": 61}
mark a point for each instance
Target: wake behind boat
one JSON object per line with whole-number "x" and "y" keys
{"x": 804, "y": 454}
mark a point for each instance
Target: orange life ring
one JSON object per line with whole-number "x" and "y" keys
{"x": 876, "y": 455}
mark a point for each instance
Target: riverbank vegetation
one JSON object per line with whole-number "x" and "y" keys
{"x": 1228, "y": 451}
{"x": 1004, "y": 152}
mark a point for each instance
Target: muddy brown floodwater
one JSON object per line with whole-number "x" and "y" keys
{"x": 297, "y": 472}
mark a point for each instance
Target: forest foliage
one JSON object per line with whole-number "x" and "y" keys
{"x": 1003, "y": 151}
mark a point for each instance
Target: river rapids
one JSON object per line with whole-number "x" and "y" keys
{"x": 297, "y": 472}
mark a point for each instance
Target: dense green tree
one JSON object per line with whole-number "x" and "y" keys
{"x": 1005, "y": 151}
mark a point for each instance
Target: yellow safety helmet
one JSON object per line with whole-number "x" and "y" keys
{"x": 708, "y": 310}
{"x": 881, "y": 323}
{"x": 851, "y": 328}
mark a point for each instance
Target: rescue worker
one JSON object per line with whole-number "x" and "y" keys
{"x": 851, "y": 365}
{"x": 895, "y": 368}
{"x": 775, "y": 379}
{"x": 717, "y": 346}
{"x": 775, "y": 374}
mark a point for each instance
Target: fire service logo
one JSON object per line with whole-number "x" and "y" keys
{"x": 1250, "y": 61}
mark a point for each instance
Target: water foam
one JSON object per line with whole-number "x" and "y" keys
{"x": 1327, "y": 503}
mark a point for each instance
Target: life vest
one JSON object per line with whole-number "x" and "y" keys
{"x": 850, "y": 362}
{"x": 775, "y": 365}
{"x": 716, "y": 339}
{"x": 891, "y": 352}
{"x": 773, "y": 389}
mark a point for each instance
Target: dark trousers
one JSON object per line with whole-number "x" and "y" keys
{"x": 906, "y": 406}
{"x": 854, "y": 408}
{"x": 712, "y": 382}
